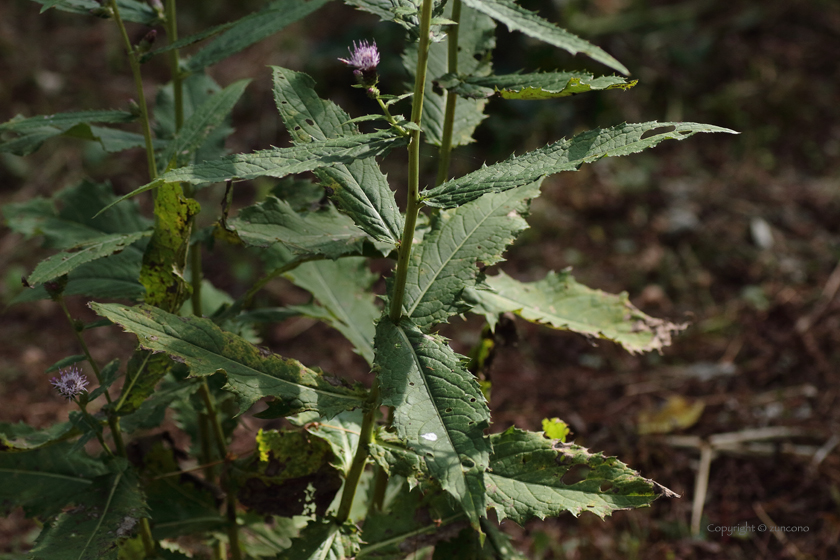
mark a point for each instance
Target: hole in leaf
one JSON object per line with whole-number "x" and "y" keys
{"x": 656, "y": 131}
{"x": 430, "y": 456}
{"x": 467, "y": 464}
{"x": 297, "y": 128}
{"x": 449, "y": 409}
{"x": 411, "y": 383}
{"x": 284, "y": 103}
{"x": 310, "y": 122}
{"x": 576, "y": 474}
{"x": 472, "y": 399}
{"x": 606, "y": 486}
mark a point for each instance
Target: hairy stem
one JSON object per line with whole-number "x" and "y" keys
{"x": 357, "y": 467}
{"x": 134, "y": 61}
{"x": 221, "y": 448}
{"x": 451, "y": 99}
{"x": 413, "y": 206}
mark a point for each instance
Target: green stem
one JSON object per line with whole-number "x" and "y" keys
{"x": 221, "y": 447}
{"x": 451, "y": 99}
{"x": 380, "y": 485}
{"x": 357, "y": 467}
{"x": 413, "y": 206}
{"x": 59, "y": 299}
{"x": 134, "y": 61}
{"x": 174, "y": 66}
{"x": 391, "y": 119}
{"x": 206, "y": 452}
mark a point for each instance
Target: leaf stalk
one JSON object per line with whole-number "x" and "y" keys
{"x": 351, "y": 483}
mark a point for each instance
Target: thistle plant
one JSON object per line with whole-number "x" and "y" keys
{"x": 417, "y": 434}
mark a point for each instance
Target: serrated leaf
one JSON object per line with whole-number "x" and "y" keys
{"x": 405, "y": 13}
{"x": 476, "y": 38}
{"x": 439, "y": 410}
{"x": 112, "y": 140}
{"x": 413, "y": 520}
{"x": 517, "y": 18}
{"x": 90, "y": 250}
{"x": 324, "y": 539}
{"x": 251, "y": 373}
{"x": 565, "y": 155}
{"x": 108, "y": 374}
{"x": 325, "y": 232}
{"x": 151, "y": 412}
{"x": 252, "y": 29}
{"x": 277, "y": 162}
{"x": 113, "y": 277}
{"x": 188, "y": 40}
{"x": 525, "y": 479}
{"x": 393, "y": 456}
{"x": 289, "y": 475}
{"x": 44, "y": 480}
{"x": 344, "y": 289}
{"x": 358, "y": 188}
{"x": 104, "y": 516}
{"x": 543, "y": 85}
{"x": 64, "y": 362}
{"x": 73, "y": 223}
{"x": 558, "y": 301}
{"x": 143, "y": 372}
{"x": 65, "y": 121}
{"x": 203, "y": 121}
{"x": 130, "y": 10}
{"x": 23, "y": 437}
{"x": 444, "y": 263}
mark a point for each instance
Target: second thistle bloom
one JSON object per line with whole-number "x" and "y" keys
{"x": 71, "y": 383}
{"x": 364, "y": 58}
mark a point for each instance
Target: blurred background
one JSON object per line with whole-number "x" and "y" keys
{"x": 739, "y": 236}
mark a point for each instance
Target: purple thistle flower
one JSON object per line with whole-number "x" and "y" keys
{"x": 363, "y": 56}
{"x": 71, "y": 383}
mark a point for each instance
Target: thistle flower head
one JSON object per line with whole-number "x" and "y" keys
{"x": 71, "y": 383}
{"x": 363, "y": 56}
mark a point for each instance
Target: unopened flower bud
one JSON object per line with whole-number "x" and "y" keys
{"x": 145, "y": 44}
{"x": 364, "y": 58}
{"x": 56, "y": 287}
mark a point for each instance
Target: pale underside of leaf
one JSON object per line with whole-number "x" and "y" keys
{"x": 565, "y": 155}
{"x": 525, "y": 479}
{"x": 545, "y": 85}
{"x": 517, "y": 18}
{"x": 439, "y": 412}
{"x": 558, "y": 301}
{"x": 251, "y": 373}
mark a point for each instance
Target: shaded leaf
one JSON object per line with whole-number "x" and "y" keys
{"x": 444, "y": 263}
{"x": 344, "y": 289}
{"x": 151, "y": 412}
{"x": 43, "y": 481}
{"x": 23, "y": 437}
{"x": 558, "y": 301}
{"x": 130, "y": 10}
{"x": 251, "y": 373}
{"x": 64, "y": 362}
{"x": 104, "y": 516}
{"x": 324, "y": 232}
{"x": 324, "y": 539}
{"x": 525, "y": 479}
{"x": 565, "y": 155}
{"x": 252, "y": 29}
{"x": 358, "y": 188}
{"x": 517, "y": 18}
{"x": 439, "y": 411}
{"x": 87, "y": 251}
{"x": 405, "y": 13}
{"x": 543, "y": 85}
{"x": 341, "y": 433}
{"x": 143, "y": 372}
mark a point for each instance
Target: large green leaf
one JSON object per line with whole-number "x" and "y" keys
{"x": 525, "y": 479}
{"x": 277, "y": 162}
{"x": 324, "y": 539}
{"x": 444, "y": 263}
{"x": 517, "y": 18}
{"x": 152, "y": 410}
{"x": 325, "y": 232}
{"x": 560, "y": 302}
{"x": 106, "y": 514}
{"x": 543, "y": 85}
{"x": 344, "y": 290}
{"x": 87, "y": 251}
{"x": 130, "y": 10}
{"x": 64, "y": 121}
{"x": 203, "y": 120}
{"x": 341, "y": 433}
{"x": 439, "y": 410}
{"x": 476, "y": 38}
{"x": 43, "y": 481}
{"x": 251, "y": 373}
{"x": 143, "y": 372}
{"x": 359, "y": 188}
{"x": 23, "y": 437}
{"x": 252, "y": 29}
{"x": 405, "y": 13}
{"x": 565, "y": 155}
